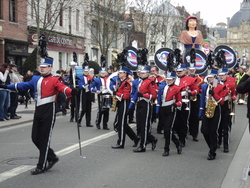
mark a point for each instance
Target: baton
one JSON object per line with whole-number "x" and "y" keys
{"x": 72, "y": 65}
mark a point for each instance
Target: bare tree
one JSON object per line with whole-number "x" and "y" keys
{"x": 103, "y": 19}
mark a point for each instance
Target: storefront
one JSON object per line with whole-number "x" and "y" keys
{"x": 60, "y": 47}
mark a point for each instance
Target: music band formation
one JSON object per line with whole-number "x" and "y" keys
{"x": 195, "y": 87}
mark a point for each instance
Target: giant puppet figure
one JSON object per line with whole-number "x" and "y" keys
{"x": 191, "y": 37}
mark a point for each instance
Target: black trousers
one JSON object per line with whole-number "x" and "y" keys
{"x": 194, "y": 117}
{"x": 13, "y": 103}
{"x": 168, "y": 114}
{"x": 43, "y": 123}
{"x": 209, "y": 129}
{"x": 122, "y": 124}
{"x": 143, "y": 118}
{"x": 85, "y": 103}
{"x": 102, "y": 112}
{"x": 181, "y": 125}
{"x": 74, "y": 106}
{"x": 225, "y": 125}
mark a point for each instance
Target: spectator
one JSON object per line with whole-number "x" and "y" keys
{"x": 15, "y": 77}
{"x": 4, "y": 94}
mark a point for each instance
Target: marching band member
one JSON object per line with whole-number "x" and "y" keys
{"x": 157, "y": 79}
{"x": 212, "y": 98}
{"x": 99, "y": 86}
{"x": 226, "y": 109}
{"x": 168, "y": 99}
{"x": 46, "y": 88}
{"x": 85, "y": 96}
{"x": 188, "y": 88}
{"x": 191, "y": 37}
{"x": 123, "y": 96}
{"x": 143, "y": 99}
{"x": 194, "y": 105}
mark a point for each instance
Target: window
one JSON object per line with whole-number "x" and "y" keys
{"x": 69, "y": 20}
{"x": 32, "y": 8}
{"x": 60, "y": 60}
{"x": 12, "y": 16}
{"x": 1, "y": 9}
{"x": 77, "y": 19}
{"x": 94, "y": 32}
{"x": 61, "y": 17}
{"x": 152, "y": 47}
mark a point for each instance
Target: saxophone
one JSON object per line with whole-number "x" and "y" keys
{"x": 114, "y": 99}
{"x": 211, "y": 105}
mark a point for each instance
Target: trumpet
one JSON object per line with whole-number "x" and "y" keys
{"x": 231, "y": 106}
{"x": 186, "y": 100}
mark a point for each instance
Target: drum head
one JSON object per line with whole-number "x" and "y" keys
{"x": 161, "y": 57}
{"x": 131, "y": 58}
{"x": 229, "y": 54}
{"x": 200, "y": 61}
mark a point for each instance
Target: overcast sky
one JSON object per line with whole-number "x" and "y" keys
{"x": 212, "y": 11}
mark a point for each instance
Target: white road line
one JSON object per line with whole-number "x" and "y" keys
{"x": 16, "y": 171}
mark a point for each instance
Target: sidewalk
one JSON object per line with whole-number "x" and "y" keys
{"x": 27, "y": 115}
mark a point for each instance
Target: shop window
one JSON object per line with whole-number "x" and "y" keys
{"x": 12, "y": 13}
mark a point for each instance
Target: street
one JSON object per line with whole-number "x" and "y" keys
{"x": 102, "y": 166}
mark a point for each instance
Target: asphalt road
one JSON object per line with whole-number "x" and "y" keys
{"x": 102, "y": 166}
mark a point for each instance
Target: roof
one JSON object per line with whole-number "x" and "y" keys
{"x": 242, "y": 15}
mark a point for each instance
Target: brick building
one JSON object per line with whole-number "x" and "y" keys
{"x": 13, "y": 32}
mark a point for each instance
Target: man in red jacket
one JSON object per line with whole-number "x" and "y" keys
{"x": 46, "y": 88}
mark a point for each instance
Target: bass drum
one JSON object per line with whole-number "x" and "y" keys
{"x": 200, "y": 61}
{"x": 131, "y": 58}
{"x": 230, "y": 55}
{"x": 161, "y": 57}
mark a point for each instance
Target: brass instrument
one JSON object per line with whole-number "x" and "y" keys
{"x": 194, "y": 98}
{"x": 230, "y": 104}
{"x": 210, "y": 105}
{"x": 114, "y": 102}
{"x": 115, "y": 99}
{"x": 186, "y": 100}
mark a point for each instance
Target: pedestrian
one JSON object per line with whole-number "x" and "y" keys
{"x": 4, "y": 94}
{"x": 212, "y": 97}
{"x": 123, "y": 96}
{"x": 15, "y": 77}
{"x": 168, "y": 99}
{"x": 46, "y": 88}
{"x": 243, "y": 88}
{"x": 28, "y": 94}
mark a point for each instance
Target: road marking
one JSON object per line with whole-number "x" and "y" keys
{"x": 14, "y": 172}
{"x": 24, "y": 168}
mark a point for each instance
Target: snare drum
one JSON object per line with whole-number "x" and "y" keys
{"x": 106, "y": 100}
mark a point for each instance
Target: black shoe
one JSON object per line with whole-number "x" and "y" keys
{"x": 249, "y": 173}
{"x": 211, "y": 156}
{"x": 71, "y": 120}
{"x": 179, "y": 149}
{"x": 52, "y": 163}
{"x": 36, "y": 171}
{"x": 98, "y": 126}
{"x": 117, "y": 147}
{"x": 226, "y": 150}
{"x": 137, "y": 150}
{"x": 89, "y": 125}
{"x": 136, "y": 141}
{"x": 165, "y": 154}
{"x": 154, "y": 144}
{"x": 182, "y": 144}
{"x": 105, "y": 128}
{"x": 132, "y": 121}
{"x": 195, "y": 139}
{"x": 160, "y": 132}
